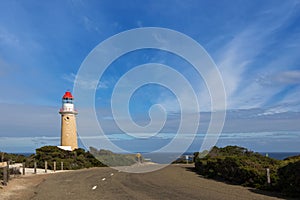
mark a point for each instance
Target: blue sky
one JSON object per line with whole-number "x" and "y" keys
{"x": 255, "y": 45}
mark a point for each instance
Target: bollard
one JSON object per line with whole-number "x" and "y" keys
{"x": 62, "y": 166}
{"x": 54, "y": 166}
{"x": 46, "y": 165}
{"x": 23, "y": 168}
{"x": 34, "y": 165}
{"x": 268, "y": 176}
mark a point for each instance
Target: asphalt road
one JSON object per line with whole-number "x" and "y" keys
{"x": 173, "y": 182}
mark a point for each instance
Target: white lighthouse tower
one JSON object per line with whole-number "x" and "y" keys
{"x": 68, "y": 123}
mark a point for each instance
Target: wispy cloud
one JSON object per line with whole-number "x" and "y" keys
{"x": 7, "y": 38}
{"x": 241, "y": 55}
{"x": 85, "y": 82}
{"x": 90, "y": 25}
{"x": 286, "y": 77}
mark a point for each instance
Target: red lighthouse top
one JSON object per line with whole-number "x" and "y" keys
{"x": 68, "y": 95}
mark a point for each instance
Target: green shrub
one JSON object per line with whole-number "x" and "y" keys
{"x": 289, "y": 178}
{"x": 113, "y": 159}
{"x": 238, "y": 166}
{"x": 76, "y": 159}
{"x": 12, "y": 158}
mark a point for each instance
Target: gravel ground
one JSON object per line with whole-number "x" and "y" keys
{"x": 172, "y": 182}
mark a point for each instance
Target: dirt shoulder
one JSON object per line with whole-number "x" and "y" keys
{"x": 21, "y": 187}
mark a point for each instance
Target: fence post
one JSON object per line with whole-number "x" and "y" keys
{"x": 5, "y": 175}
{"x": 34, "y": 165}
{"x": 46, "y": 166}
{"x": 8, "y": 175}
{"x": 268, "y": 176}
{"x": 54, "y": 166}
{"x": 23, "y": 168}
{"x": 62, "y": 166}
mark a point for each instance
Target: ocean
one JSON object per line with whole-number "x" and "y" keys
{"x": 280, "y": 155}
{"x": 24, "y": 154}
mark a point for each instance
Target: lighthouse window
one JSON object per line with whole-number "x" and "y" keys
{"x": 67, "y": 101}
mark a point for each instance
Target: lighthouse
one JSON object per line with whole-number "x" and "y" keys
{"x": 68, "y": 123}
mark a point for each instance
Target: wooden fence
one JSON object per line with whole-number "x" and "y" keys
{"x": 5, "y": 170}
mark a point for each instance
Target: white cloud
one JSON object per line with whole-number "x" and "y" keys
{"x": 280, "y": 77}
{"x": 237, "y": 58}
{"x": 288, "y": 77}
{"x": 85, "y": 82}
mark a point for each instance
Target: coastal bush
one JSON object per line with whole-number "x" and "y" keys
{"x": 114, "y": 159}
{"x": 76, "y": 159}
{"x": 12, "y": 158}
{"x": 289, "y": 178}
{"x": 238, "y": 166}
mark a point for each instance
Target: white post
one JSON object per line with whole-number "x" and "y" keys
{"x": 54, "y": 166}
{"x": 46, "y": 166}
{"x": 34, "y": 165}
{"x": 268, "y": 176}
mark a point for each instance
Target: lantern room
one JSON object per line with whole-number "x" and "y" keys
{"x": 68, "y": 98}
{"x": 68, "y": 103}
